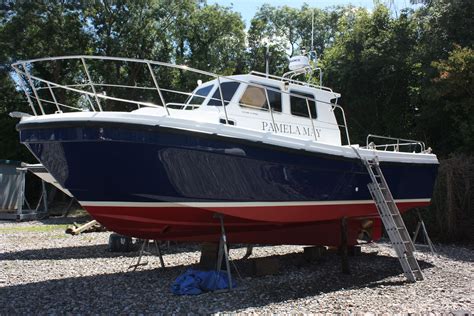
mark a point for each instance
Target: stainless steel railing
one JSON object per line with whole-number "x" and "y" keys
{"x": 293, "y": 81}
{"x": 95, "y": 100}
{"x": 395, "y": 144}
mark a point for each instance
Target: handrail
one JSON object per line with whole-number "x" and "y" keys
{"x": 118, "y": 86}
{"x": 222, "y": 100}
{"x": 157, "y": 87}
{"x": 22, "y": 85}
{"x": 102, "y": 96}
{"x": 90, "y": 82}
{"x": 126, "y": 59}
{"x": 302, "y": 83}
{"x": 337, "y": 106}
{"x": 181, "y": 67}
{"x": 28, "y": 76}
{"x": 396, "y": 146}
{"x": 311, "y": 119}
{"x": 269, "y": 106}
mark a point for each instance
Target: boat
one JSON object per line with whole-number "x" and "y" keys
{"x": 271, "y": 156}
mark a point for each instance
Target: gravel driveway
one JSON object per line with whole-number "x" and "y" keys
{"x": 43, "y": 270}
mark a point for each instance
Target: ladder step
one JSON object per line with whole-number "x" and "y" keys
{"x": 396, "y": 228}
{"x": 387, "y": 208}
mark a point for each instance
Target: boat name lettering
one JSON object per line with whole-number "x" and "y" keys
{"x": 290, "y": 129}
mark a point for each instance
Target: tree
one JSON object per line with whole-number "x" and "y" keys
{"x": 38, "y": 29}
{"x": 216, "y": 40}
{"x": 288, "y": 32}
{"x": 448, "y": 115}
{"x": 369, "y": 63}
{"x": 443, "y": 24}
{"x": 444, "y": 43}
{"x": 259, "y": 38}
{"x": 30, "y": 30}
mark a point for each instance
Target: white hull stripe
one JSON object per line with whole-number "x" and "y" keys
{"x": 239, "y": 204}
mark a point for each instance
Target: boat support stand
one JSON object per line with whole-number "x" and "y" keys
{"x": 145, "y": 249}
{"x": 421, "y": 224}
{"x": 223, "y": 251}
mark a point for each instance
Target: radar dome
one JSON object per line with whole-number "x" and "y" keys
{"x": 298, "y": 62}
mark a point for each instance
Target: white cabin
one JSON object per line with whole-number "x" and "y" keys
{"x": 246, "y": 106}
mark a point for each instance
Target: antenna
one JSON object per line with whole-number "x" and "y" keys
{"x": 312, "y": 53}
{"x": 312, "y": 30}
{"x": 267, "y": 59}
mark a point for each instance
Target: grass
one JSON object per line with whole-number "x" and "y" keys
{"x": 33, "y": 229}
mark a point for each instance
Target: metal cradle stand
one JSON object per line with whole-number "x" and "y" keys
{"x": 392, "y": 220}
{"x": 145, "y": 249}
{"x": 223, "y": 251}
{"x": 421, "y": 225}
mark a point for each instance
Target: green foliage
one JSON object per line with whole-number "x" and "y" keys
{"x": 211, "y": 38}
{"x": 443, "y": 91}
{"x": 443, "y": 24}
{"x": 215, "y": 39}
{"x": 31, "y": 30}
{"x": 187, "y": 31}
{"x": 451, "y": 215}
{"x": 287, "y": 31}
{"x": 32, "y": 229}
{"x": 37, "y": 29}
{"x": 369, "y": 63}
{"x": 10, "y": 100}
{"x": 448, "y": 114}
{"x": 134, "y": 29}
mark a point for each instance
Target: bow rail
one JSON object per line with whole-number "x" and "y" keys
{"x": 395, "y": 144}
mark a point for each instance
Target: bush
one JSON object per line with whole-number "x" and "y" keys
{"x": 451, "y": 214}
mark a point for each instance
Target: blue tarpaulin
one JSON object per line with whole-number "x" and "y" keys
{"x": 194, "y": 282}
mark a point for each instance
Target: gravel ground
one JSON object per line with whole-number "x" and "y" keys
{"x": 45, "y": 271}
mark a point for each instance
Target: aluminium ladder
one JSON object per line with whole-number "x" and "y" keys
{"x": 392, "y": 220}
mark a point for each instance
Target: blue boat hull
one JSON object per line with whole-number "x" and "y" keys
{"x": 147, "y": 177}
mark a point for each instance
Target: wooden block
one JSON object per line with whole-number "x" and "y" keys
{"x": 354, "y": 250}
{"x": 266, "y": 266}
{"x": 315, "y": 253}
{"x": 209, "y": 252}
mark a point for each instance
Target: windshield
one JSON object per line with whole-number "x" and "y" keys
{"x": 200, "y": 95}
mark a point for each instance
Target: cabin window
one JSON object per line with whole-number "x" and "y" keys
{"x": 228, "y": 91}
{"x": 200, "y": 95}
{"x": 299, "y": 106}
{"x": 254, "y": 97}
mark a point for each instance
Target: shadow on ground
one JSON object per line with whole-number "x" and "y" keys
{"x": 148, "y": 291}
{"x": 458, "y": 253}
{"x": 84, "y": 252}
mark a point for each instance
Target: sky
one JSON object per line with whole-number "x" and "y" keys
{"x": 247, "y": 8}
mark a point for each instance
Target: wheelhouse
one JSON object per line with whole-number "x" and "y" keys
{"x": 265, "y": 104}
